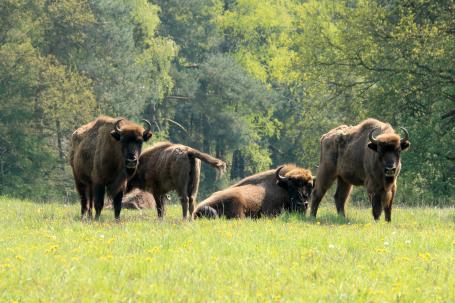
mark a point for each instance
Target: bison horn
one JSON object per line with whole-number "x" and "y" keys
{"x": 280, "y": 177}
{"x": 149, "y": 125}
{"x": 371, "y": 137}
{"x": 406, "y": 134}
{"x": 116, "y": 126}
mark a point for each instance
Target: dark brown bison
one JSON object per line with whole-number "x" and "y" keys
{"x": 165, "y": 167}
{"x": 268, "y": 193}
{"x": 104, "y": 155}
{"x": 366, "y": 154}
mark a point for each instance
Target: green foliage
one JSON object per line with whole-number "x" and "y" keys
{"x": 350, "y": 60}
{"x": 47, "y": 253}
{"x": 255, "y": 83}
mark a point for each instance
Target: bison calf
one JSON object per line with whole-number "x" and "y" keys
{"x": 165, "y": 167}
{"x": 267, "y": 193}
{"x": 354, "y": 156}
{"x": 104, "y": 155}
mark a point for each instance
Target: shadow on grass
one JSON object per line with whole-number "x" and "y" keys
{"x": 323, "y": 219}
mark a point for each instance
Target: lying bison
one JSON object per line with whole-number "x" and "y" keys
{"x": 268, "y": 193}
{"x": 138, "y": 199}
{"x": 165, "y": 167}
{"x": 354, "y": 156}
{"x": 104, "y": 155}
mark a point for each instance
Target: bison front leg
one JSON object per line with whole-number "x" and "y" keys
{"x": 387, "y": 202}
{"x": 376, "y": 205}
{"x": 98, "y": 191}
{"x": 118, "y": 205}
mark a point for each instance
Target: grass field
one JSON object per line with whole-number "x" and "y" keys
{"x": 47, "y": 254}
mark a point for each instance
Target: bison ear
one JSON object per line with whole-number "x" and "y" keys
{"x": 373, "y": 146}
{"x": 147, "y": 135}
{"x": 115, "y": 134}
{"x": 405, "y": 145}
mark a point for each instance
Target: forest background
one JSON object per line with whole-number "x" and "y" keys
{"x": 255, "y": 83}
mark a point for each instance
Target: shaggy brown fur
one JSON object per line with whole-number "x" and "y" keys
{"x": 138, "y": 199}
{"x": 266, "y": 193}
{"x": 104, "y": 156}
{"x": 166, "y": 166}
{"x": 350, "y": 157}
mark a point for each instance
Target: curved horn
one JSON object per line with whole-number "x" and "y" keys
{"x": 280, "y": 177}
{"x": 116, "y": 125}
{"x": 406, "y": 134}
{"x": 371, "y": 137}
{"x": 149, "y": 125}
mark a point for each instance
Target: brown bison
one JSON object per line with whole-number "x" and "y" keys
{"x": 366, "y": 154}
{"x": 104, "y": 155}
{"x": 165, "y": 167}
{"x": 137, "y": 200}
{"x": 268, "y": 193}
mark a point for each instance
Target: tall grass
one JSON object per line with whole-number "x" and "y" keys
{"x": 47, "y": 254}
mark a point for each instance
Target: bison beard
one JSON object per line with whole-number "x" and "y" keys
{"x": 104, "y": 155}
{"x": 266, "y": 193}
{"x": 165, "y": 167}
{"x": 354, "y": 156}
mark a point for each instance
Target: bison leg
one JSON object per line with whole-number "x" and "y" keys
{"x": 377, "y": 205}
{"x": 159, "y": 201}
{"x": 118, "y": 205}
{"x": 388, "y": 200}
{"x": 99, "y": 199}
{"x": 90, "y": 202}
{"x": 341, "y": 195}
{"x": 191, "y": 204}
{"x": 82, "y": 190}
{"x": 324, "y": 180}
{"x": 184, "y": 201}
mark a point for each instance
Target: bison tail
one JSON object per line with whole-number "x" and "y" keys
{"x": 205, "y": 212}
{"x": 216, "y": 163}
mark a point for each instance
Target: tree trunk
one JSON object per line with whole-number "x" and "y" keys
{"x": 61, "y": 152}
{"x": 238, "y": 165}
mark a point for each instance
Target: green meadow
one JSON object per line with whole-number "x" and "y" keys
{"x": 48, "y": 255}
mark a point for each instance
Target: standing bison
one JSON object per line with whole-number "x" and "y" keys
{"x": 267, "y": 193}
{"x": 104, "y": 155}
{"x": 165, "y": 167}
{"x": 366, "y": 154}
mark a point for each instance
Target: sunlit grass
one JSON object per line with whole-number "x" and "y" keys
{"x": 47, "y": 254}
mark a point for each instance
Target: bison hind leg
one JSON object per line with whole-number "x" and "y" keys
{"x": 341, "y": 195}
{"x": 206, "y": 212}
{"x": 85, "y": 196}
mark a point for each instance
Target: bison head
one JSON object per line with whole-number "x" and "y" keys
{"x": 388, "y": 148}
{"x": 299, "y": 185}
{"x": 131, "y": 136}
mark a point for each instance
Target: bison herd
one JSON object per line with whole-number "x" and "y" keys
{"x": 107, "y": 158}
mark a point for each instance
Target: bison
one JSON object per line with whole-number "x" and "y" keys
{"x": 267, "y": 193}
{"x": 166, "y": 166}
{"x": 104, "y": 155}
{"x": 366, "y": 154}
